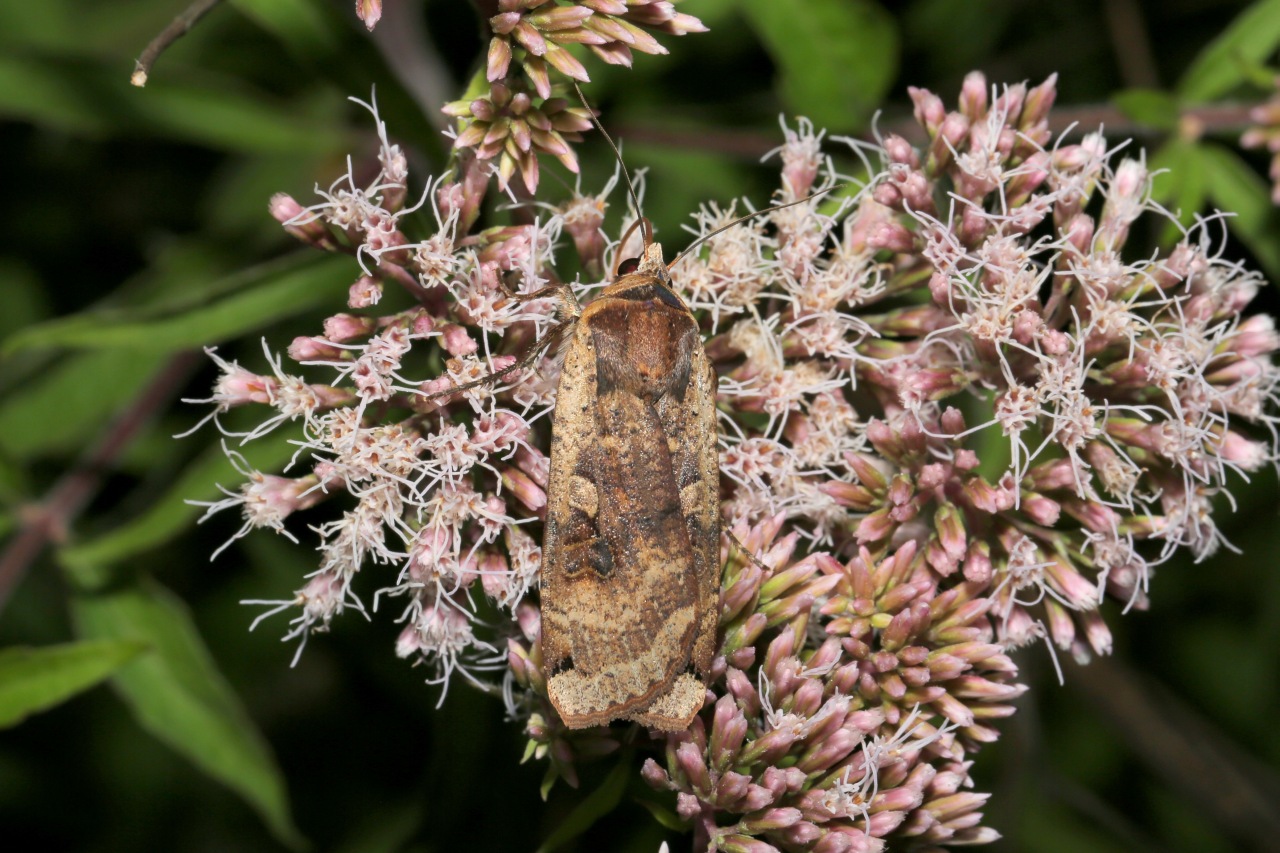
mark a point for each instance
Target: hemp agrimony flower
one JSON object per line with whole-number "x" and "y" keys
{"x": 524, "y": 113}
{"x": 889, "y": 569}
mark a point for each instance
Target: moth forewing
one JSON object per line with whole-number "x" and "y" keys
{"x": 630, "y": 591}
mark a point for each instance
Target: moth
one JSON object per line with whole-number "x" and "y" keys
{"x": 630, "y": 559}
{"x": 631, "y": 547}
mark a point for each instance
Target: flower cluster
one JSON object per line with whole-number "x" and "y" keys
{"x": 523, "y": 114}
{"x": 865, "y": 341}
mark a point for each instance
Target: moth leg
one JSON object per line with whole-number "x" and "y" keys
{"x": 547, "y": 343}
{"x": 566, "y": 303}
{"x": 510, "y": 280}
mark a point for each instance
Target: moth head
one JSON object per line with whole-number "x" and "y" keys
{"x": 650, "y": 261}
{"x": 640, "y": 279}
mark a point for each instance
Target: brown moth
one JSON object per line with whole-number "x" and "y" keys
{"x": 631, "y": 552}
{"x": 631, "y": 548}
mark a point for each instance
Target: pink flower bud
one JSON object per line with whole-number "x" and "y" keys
{"x": 844, "y": 842}
{"x": 876, "y": 526}
{"x": 495, "y": 575}
{"x": 731, "y": 788}
{"x": 1043, "y": 511}
{"x": 300, "y": 223}
{"x": 369, "y": 11}
{"x": 940, "y": 288}
{"x": 774, "y": 819}
{"x": 949, "y": 524}
{"x": 314, "y": 349}
{"x": 849, "y": 495}
{"x": 365, "y": 293}
{"x": 973, "y": 95}
{"x": 652, "y": 773}
{"x": 977, "y": 564}
{"x": 688, "y": 806}
{"x": 1249, "y": 455}
{"x": 690, "y": 760}
{"x": 932, "y": 476}
{"x": 953, "y": 421}
{"x": 529, "y": 618}
{"x": 928, "y": 108}
{"x": 1036, "y": 106}
{"x": 1097, "y": 632}
{"x": 284, "y": 207}
{"x": 892, "y": 236}
{"x": 900, "y": 151}
{"x": 343, "y": 327}
{"x": 888, "y": 195}
{"x": 1054, "y": 342}
{"x": 1255, "y": 336}
{"x": 457, "y": 341}
{"x": 525, "y": 490}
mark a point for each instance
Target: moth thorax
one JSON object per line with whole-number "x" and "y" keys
{"x": 643, "y": 343}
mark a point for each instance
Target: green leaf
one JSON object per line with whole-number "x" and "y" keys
{"x": 1226, "y": 62}
{"x": 34, "y": 680}
{"x": 323, "y": 39}
{"x": 84, "y": 28}
{"x": 598, "y": 803}
{"x": 178, "y": 695}
{"x": 1150, "y": 107}
{"x": 61, "y": 407}
{"x": 836, "y": 58}
{"x": 957, "y": 35}
{"x": 301, "y": 25}
{"x": 93, "y": 98}
{"x": 1179, "y": 183}
{"x": 1236, "y": 188}
{"x": 170, "y": 515}
{"x": 264, "y": 296}
{"x": 26, "y": 300}
{"x": 664, "y": 816}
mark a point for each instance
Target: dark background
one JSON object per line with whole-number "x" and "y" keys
{"x": 120, "y": 201}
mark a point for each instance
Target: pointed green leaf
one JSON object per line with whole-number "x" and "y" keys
{"x": 665, "y": 817}
{"x": 1227, "y": 60}
{"x": 1149, "y": 107}
{"x": 321, "y": 38}
{"x": 170, "y": 515}
{"x": 36, "y": 679}
{"x": 598, "y": 803}
{"x": 63, "y": 405}
{"x": 1236, "y": 188}
{"x": 301, "y": 25}
{"x": 271, "y": 292}
{"x": 177, "y": 694}
{"x": 94, "y": 98}
{"x": 836, "y": 58}
{"x": 1179, "y": 183}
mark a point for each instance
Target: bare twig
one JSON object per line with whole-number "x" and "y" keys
{"x": 50, "y": 520}
{"x": 176, "y": 30}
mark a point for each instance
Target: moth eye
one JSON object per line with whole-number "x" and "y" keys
{"x": 630, "y": 265}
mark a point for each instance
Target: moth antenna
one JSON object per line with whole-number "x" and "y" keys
{"x": 646, "y": 226}
{"x": 741, "y": 219}
{"x": 618, "y": 261}
{"x": 548, "y": 342}
{"x": 741, "y": 546}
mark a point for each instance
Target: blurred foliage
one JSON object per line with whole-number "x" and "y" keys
{"x": 145, "y": 235}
